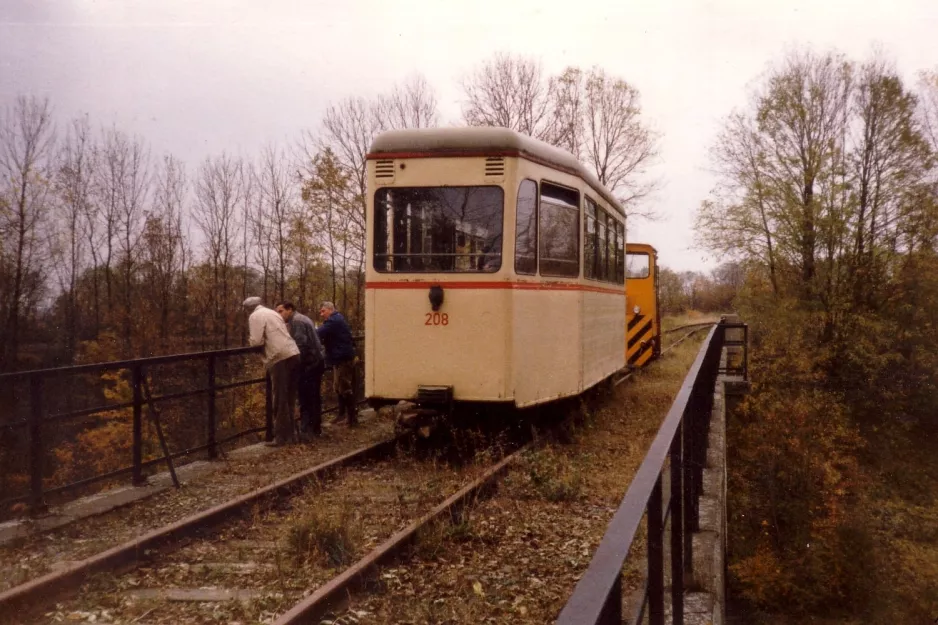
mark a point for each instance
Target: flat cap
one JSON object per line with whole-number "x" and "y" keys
{"x": 252, "y": 302}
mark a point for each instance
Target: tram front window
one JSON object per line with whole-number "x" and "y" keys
{"x": 438, "y": 229}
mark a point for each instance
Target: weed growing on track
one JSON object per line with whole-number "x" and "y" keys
{"x": 433, "y": 539}
{"x": 553, "y": 476}
{"x": 331, "y": 537}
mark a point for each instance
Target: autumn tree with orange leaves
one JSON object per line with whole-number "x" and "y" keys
{"x": 827, "y": 197}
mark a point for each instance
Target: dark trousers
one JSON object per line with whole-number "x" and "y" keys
{"x": 343, "y": 383}
{"x": 283, "y": 384}
{"x": 309, "y": 389}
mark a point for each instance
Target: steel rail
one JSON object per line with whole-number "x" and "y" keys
{"x": 689, "y": 325}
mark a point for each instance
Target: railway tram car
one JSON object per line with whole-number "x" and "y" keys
{"x": 496, "y": 269}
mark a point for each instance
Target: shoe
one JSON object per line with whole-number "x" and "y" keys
{"x": 339, "y": 418}
{"x": 277, "y": 442}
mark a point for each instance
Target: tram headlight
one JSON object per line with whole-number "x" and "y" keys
{"x": 636, "y": 310}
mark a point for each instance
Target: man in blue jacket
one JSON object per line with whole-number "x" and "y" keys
{"x": 336, "y": 337}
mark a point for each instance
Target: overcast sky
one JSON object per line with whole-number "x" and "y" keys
{"x": 195, "y": 77}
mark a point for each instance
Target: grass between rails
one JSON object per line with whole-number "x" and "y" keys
{"x": 516, "y": 557}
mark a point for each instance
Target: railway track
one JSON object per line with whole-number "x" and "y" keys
{"x": 132, "y": 552}
{"x": 697, "y": 327}
{"x": 689, "y": 325}
{"x": 266, "y": 549}
{"x": 108, "y": 520}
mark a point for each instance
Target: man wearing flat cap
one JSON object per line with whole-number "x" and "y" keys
{"x": 281, "y": 358}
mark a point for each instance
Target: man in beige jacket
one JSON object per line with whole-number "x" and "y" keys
{"x": 281, "y": 358}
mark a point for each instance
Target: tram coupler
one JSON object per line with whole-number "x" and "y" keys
{"x": 432, "y": 405}
{"x": 419, "y": 420}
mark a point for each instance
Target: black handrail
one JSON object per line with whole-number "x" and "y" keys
{"x": 682, "y": 439}
{"x": 97, "y": 367}
{"x": 37, "y": 417}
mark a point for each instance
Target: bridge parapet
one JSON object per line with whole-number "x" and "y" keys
{"x": 708, "y": 604}
{"x": 680, "y": 492}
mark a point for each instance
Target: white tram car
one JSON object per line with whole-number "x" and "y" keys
{"x": 495, "y": 270}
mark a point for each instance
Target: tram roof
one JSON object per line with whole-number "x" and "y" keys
{"x": 480, "y": 141}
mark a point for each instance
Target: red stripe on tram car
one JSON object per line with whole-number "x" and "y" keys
{"x": 521, "y": 286}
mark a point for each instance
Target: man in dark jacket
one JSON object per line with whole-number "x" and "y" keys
{"x": 340, "y": 355}
{"x": 312, "y": 366}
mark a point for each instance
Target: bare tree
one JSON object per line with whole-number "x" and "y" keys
{"x": 132, "y": 196}
{"x": 164, "y": 242}
{"x": 276, "y": 191}
{"x": 598, "y": 119}
{"x": 928, "y": 90}
{"x": 261, "y": 230}
{"x": 595, "y": 117}
{"x": 74, "y": 183}
{"x": 247, "y": 206}
{"x": 886, "y": 160}
{"x": 566, "y": 105}
{"x": 348, "y": 129}
{"x": 510, "y": 92}
{"x": 26, "y": 139}
{"x": 741, "y": 219}
{"x": 412, "y": 104}
{"x": 219, "y": 191}
{"x": 104, "y": 233}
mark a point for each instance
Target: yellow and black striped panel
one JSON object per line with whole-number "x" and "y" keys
{"x": 640, "y": 339}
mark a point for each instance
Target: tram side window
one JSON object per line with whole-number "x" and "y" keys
{"x": 590, "y": 251}
{"x": 526, "y": 229}
{"x": 438, "y": 229}
{"x": 601, "y": 249}
{"x": 559, "y": 248}
{"x": 637, "y": 265}
{"x": 610, "y": 249}
{"x": 604, "y": 244}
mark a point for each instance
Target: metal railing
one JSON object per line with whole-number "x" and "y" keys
{"x": 736, "y": 342}
{"x": 41, "y": 385}
{"x": 677, "y": 453}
